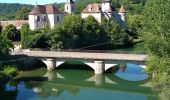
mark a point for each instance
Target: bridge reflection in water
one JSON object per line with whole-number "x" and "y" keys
{"x": 68, "y": 84}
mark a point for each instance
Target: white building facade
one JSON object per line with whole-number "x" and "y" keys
{"x": 42, "y": 16}
{"x": 98, "y": 11}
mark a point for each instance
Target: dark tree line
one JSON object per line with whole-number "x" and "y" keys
{"x": 77, "y": 33}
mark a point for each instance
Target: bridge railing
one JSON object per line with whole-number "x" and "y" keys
{"x": 89, "y": 51}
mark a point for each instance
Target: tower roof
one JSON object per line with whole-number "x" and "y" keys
{"x": 92, "y": 8}
{"x": 106, "y": 0}
{"x": 70, "y": 1}
{"x": 122, "y": 9}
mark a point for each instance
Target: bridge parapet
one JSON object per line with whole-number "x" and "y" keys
{"x": 97, "y": 61}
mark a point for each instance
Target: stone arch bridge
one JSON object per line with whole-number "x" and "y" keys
{"x": 99, "y": 62}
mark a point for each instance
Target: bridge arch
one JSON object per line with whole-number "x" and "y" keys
{"x": 74, "y": 64}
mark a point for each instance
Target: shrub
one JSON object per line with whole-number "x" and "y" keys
{"x": 3, "y": 78}
{"x": 11, "y": 32}
{"x": 10, "y": 71}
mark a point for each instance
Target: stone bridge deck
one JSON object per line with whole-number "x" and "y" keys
{"x": 100, "y": 62}
{"x": 84, "y": 55}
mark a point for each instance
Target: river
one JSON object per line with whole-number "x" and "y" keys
{"x": 75, "y": 83}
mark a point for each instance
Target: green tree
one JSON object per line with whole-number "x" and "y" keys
{"x": 11, "y": 32}
{"x": 91, "y": 31}
{"x": 24, "y": 31}
{"x": 117, "y": 35}
{"x": 135, "y": 22}
{"x": 5, "y": 45}
{"x": 72, "y": 26}
{"x": 56, "y": 39}
{"x": 23, "y": 13}
{"x": 0, "y": 29}
{"x": 157, "y": 41}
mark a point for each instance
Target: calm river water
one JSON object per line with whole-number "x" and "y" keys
{"x": 77, "y": 84}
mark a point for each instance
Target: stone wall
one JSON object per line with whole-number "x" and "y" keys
{"x": 17, "y": 23}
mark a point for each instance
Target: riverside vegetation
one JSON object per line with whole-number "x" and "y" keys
{"x": 151, "y": 22}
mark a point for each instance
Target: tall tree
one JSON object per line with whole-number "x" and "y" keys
{"x": 5, "y": 45}
{"x": 23, "y": 13}
{"x": 156, "y": 33}
{"x": 11, "y": 32}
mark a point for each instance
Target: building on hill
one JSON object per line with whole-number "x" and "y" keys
{"x": 48, "y": 15}
{"x": 44, "y": 15}
{"x": 105, "y": 9}
{"x": 69, "y": 7}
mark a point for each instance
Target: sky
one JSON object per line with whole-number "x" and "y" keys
{"x": 33, "y": 2}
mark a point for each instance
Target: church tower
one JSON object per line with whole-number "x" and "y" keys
{"x": 70, "y": 7}
{"x": 106, "y": 4}
{"x": 122, "y": 13}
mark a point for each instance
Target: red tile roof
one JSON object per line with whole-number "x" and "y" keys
{"x": 92, "y": 8}
{"x": 44, "y": 9}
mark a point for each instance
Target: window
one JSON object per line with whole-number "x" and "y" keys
{"x": 38, "y": 18}
{"x": 58, "y": 19}
{"x": 67, "y": 7}
{"x": 45, "y": 18}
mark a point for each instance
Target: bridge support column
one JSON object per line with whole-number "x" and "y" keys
{"x": 51, "y": 64}
{"x": 99, "y": 79}
{"x": 99, "y": 67}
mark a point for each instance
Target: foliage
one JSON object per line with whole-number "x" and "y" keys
{"x": 22, "y": 14}
{"x": 92, "y": 33}
{"x": 56, "y": 41}
{"x": 78, "y": 33}
{"x": 115, "y": 34}
{"x": 8, "y": 10}
{"x": 135, "y": 22}
{"x": 5, "y": 45}
{"x": 10, "y": 71}
{"x": 0, "y": 29}
{"x": 38, "y": 40}
{"x": 4, "y": 78}
{"x": 11, "y": 32}
{"x": 24, "y": 30}
{"x": 156, "y": 34}
{"x": 72, "y": 24}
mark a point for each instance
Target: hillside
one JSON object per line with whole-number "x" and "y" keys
{"x": 8, "y": 10}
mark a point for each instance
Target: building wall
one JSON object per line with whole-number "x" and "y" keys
{"x": 58, "y": 18}
{"x": 32, "y": 22}
{"x": 69, "y": 8}
{"x": 17, "y": 23}
{"x": 122, "y": 16}
{"x": 38, "y": 23}
{"x": 105, "y": 6}
{"x": 97, "y": 16}
{"x": 51, "y": 20}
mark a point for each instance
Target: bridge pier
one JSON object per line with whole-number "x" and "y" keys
{"x": 51, "y": 64}
{"x": 99, "y": 67}
{"x": 99, "y": 79}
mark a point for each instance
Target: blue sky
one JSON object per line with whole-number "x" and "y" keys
{"x": 32, "y": 1}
